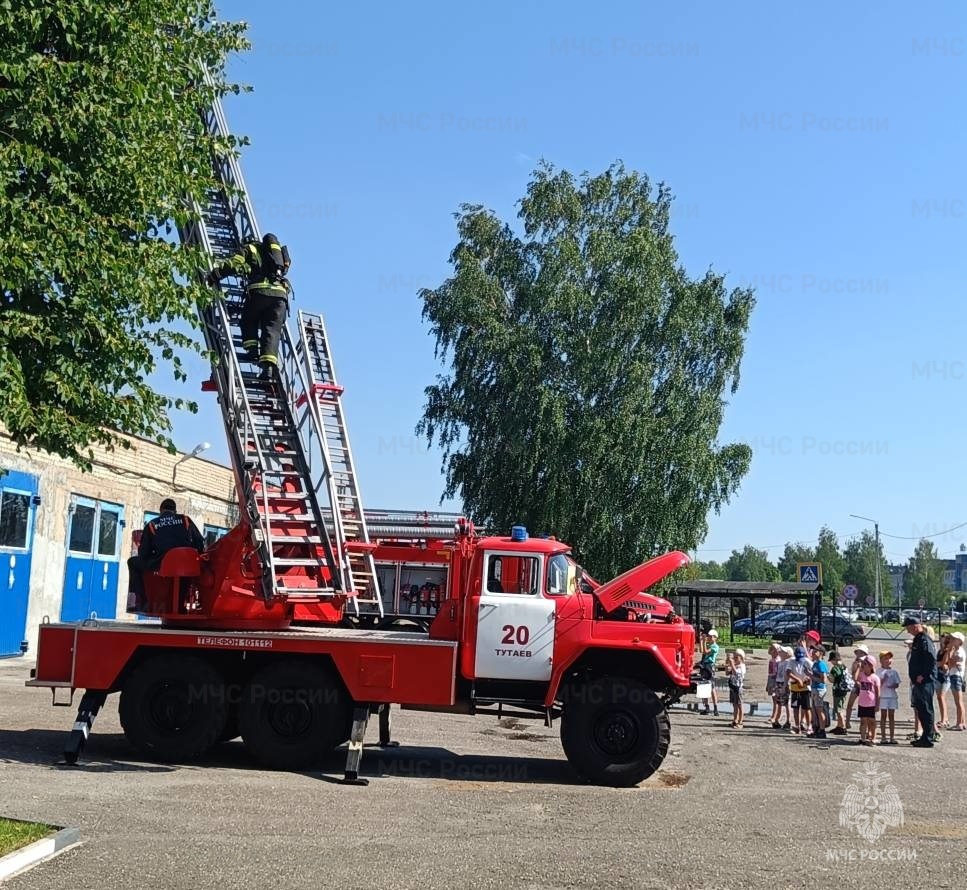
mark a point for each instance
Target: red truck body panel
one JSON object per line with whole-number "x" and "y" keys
{"x": 376, "y": 666}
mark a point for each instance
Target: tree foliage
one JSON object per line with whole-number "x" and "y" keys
{"x": 791, "y": 556}
{"x": 101, "y": 146}
{"x": 587, "y": 371}
{"x": 860, "y": 558}
{"x": 924, "y": 577}
{"x": 750, "y": 564}
{"x": 827, "y": 552}
{"x": 706, "y": 571}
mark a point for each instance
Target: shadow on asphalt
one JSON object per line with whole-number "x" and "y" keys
{"x": 108, "y": 753}
{"x": 46, "y": 747}
{"x": 441, "y": 763}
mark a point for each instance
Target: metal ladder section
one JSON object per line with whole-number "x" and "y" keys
{"x": 346, "y": 514}
{"x": 269, "y": 424}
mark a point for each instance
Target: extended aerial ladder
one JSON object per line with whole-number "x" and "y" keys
{"x": 284, "y": 434}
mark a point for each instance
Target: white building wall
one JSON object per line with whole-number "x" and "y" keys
{"x": 137, "y": 478}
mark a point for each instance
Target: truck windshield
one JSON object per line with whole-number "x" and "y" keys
{"x": 560, "y": 575}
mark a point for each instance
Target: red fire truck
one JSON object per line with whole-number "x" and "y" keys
{"x": 521, "y": 631}
{"x": 278, "y": 632}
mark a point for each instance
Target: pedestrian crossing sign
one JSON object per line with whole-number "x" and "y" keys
{"x": 809, "y": 572}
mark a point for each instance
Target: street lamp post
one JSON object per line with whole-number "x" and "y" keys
{"x": 198, "y": 449}
{"x": 876, "y": 557}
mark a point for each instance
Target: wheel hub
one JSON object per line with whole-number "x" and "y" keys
{"x": 616, "y": 733}
{"x": 171, "y": 709}
{"x": 289, "y": 719}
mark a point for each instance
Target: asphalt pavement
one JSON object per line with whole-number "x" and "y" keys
{"x": 473, "y": 802}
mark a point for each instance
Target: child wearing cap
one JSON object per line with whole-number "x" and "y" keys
{"x": 859, "y": 653}
{"x": 820, "y": 668}
{"x": 867, "y": 700}
{"x": 735, "y": 669}
{"x": 706, "y": 666}
{"x": 782, "y": 687}
{"x": 889, "y": 697}
{"x": 800, "y": 677}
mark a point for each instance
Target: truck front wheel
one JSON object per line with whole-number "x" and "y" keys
{"x": 292, "y": 713}
{"x": 614, "y": 730}
{"x": 173, "y": 707}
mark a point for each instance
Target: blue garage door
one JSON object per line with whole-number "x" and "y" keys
{"x": 17, "y": 508}
{"x": 93, "y": 545}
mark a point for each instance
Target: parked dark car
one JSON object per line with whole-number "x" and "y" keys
{"x": 767, "y": 628}
{"x": 838, "y": 631}
{"x": 744, "y": 625}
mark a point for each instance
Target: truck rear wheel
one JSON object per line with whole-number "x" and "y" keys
{"x": 292, "y": 713}
{"x": 615, "y": 731}
{"x": 173, "y": 707}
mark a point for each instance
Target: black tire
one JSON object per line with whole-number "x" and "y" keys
{"x": 173, "y": 707}
{"x": 846, "y": 640}
{"x": 615, "y": 731}
{"x": 292, "y": 713}
{"x": 230, "y": 732}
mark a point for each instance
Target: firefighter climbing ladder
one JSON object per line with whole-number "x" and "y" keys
{"x": 277, "y": 440}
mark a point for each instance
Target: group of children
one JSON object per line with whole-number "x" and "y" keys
{"x": 799, "y": 678}
{"x": 798, "y": 682}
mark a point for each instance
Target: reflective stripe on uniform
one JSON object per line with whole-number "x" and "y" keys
{"x": 250, "y": 344}
{"x": 262, "y": 285}
{"x": 268, "y": 360}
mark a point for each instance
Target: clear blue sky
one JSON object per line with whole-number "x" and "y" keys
{"x": 816, "y": 151}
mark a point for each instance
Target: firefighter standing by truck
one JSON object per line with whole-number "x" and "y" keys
{"x": 264, "y": 265}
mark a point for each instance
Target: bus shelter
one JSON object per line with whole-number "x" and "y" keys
{"x": 707, "y": 604}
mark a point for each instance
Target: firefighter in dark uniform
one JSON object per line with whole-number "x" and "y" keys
{"x": 923, "y": 675}
{"x": 264, "y": 266}
{"x": 169, "y": 530}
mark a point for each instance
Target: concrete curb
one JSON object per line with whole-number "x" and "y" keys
{"x": 33, "y": 854}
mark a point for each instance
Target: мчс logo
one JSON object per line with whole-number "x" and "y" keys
{"x": 871, "y": 804}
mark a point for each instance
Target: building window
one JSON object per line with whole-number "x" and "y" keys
{"x": 82, "y": 529}
{"x": 94, "y": 529}
{"x": 213, "y": 533}
{"x": 14, "y": 508}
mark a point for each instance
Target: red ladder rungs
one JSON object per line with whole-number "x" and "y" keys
{"x": 321, "y": 389}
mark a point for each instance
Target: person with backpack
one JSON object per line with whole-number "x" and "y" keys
{"x": 168, "y": 530}
{"x": 842, "y": 682}
{"x": 264, "y": 265}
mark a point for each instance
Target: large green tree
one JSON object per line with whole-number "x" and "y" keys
{"x": 101, "y": 147}
{"x": 860, "y": 558}
{"x": 750, "y": 564}
{"x": 828, "y": 554}
{"x": 588, "y": 371}
{"x": 791, "y": 556}
{"x": 923, "y": 579}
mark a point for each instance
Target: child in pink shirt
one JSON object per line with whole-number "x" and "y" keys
{"x": 868, "y": 700}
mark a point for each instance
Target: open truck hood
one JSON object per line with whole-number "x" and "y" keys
{"x": 629, "y": 585}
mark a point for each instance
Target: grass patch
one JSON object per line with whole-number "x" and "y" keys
{"x": 15, "y": 834}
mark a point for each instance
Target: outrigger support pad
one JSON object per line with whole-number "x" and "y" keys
{"x": 91, "y": 703}
{"x": 386, "y": 728}
{"x": 355, "y": 754}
